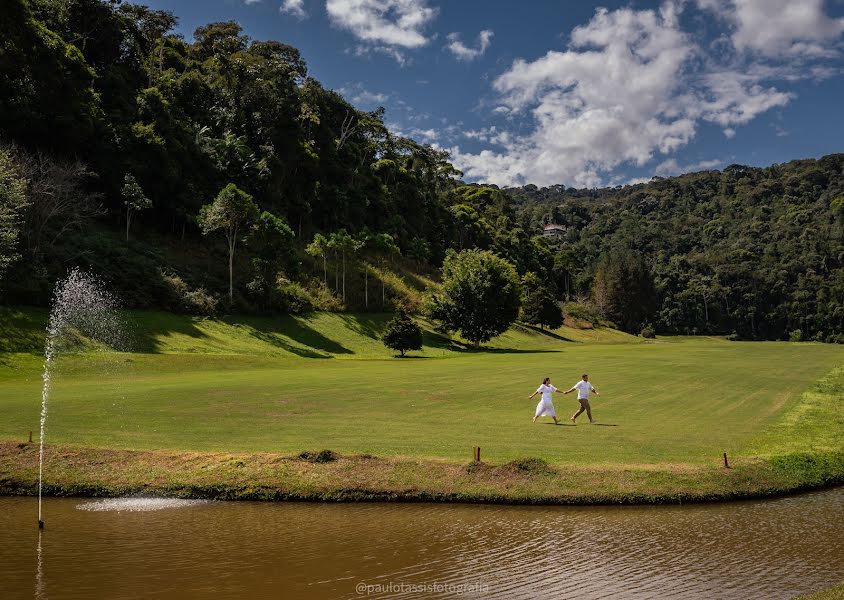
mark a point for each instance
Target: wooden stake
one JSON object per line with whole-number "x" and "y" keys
{"x": 726, "y": 464}
{"x": 476, "y": 450}
{"x": 30, "y": 437}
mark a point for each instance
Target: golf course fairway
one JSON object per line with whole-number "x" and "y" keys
{"x": 252, "y": 423}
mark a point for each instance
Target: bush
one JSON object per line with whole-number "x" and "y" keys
{"x": 648, "y": 332}
{"x": 323, "y": 456}
{"x": 184, "y": 300}
{"x": 402, "y": 333}
{"x": 526, "y": 466}
{"x": 582, "y": 312}
{"x": 835, "y": 338}
{"x": 733, "y": 337}
{"x": 795, "y": 336}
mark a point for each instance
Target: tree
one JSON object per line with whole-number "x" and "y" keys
{"x": 480, "y": 297}
{"x": 320, "y": 247}
{"x": 565, "y": 265}
{"x": 58, "y": 198}
{"x": 402, "y": 333}
{"x": 382, "y": 246}
{"x": 532, "y": 296}
{"x": 623, "y": 289}
{"x": 271, "y": 242}
{"x": 134, "y": 199}
{"x": 231, "y": 212}
{"x": 12, "y": 205}
{"x": 550, "y": 314}
{"x": 538, "y": 306}
{"x": 342, "y": 243}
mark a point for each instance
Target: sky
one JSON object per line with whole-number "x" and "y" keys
{"x": 581, "y": 94}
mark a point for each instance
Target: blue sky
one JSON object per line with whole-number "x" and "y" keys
{"x": 577, "y": 93}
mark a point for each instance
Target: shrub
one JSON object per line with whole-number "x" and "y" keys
{"x": 402, "y": 333}
{"x": 323, "y": 456}
{"x": 795, "y": 336}
{"x": 648, "y": 332}
{"x": 581, "y": 312}
{"x": 183, "y": 299}
{"x": 733, "y": 337}
{"x": 525, "y": 466}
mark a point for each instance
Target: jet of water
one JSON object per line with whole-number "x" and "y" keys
{"x": 83, "y": 315}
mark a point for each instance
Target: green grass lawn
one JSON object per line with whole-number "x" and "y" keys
{"x": 244, "y": 387}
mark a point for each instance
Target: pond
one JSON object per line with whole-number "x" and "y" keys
{"x": 132, "y": 548}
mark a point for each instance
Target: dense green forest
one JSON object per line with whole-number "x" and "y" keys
{"x": 756, "y": 251}
{"x": 215, "y": 174}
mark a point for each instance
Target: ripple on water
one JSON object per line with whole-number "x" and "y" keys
{"x": 137, "y": 504}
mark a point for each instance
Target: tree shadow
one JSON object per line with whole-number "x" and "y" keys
{"x": 546, "y": 332}
{"x": 436, "y": 339}
{"x": 279, "y": 331}
{"x": 143, "y": 332}
{"x": 367, "y": 325}
{"x": 23, "y": 331}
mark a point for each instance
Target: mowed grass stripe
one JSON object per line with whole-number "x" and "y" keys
{"x": 685, "y": 401}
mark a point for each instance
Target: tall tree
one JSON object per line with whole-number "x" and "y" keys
{"x": 624, "y": 289}
{"x": 320, "y": 246}
{"x": 134, "y": 199}
{"x": 231, "y": 212}
{"x": 480, "y": 297}
{"x": 12, "y": 205}
{"x": 343, "y": 244}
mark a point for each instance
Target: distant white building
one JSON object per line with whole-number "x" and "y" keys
{"x": 554, "y": 231}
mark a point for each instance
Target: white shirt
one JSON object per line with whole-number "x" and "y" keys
{"x": 583, "y": 388}
{"x": 547, "y": 391}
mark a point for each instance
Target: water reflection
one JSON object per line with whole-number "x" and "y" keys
{"x": 770, "y": 549}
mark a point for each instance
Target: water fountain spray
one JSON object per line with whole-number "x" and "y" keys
{"x": 82, "y": 315}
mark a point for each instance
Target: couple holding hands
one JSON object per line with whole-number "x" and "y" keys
{"x": 545, "y": 408}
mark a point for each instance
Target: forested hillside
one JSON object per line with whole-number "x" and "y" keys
{"x": 123, "y": 130}
{"x": 755, "y": 251}
{"x": 214, "y": 174}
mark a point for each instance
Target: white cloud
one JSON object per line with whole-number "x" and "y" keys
{"x": 671, "y": 167}
{"x": 250, "y": 2}
{"x": 604, "y": 101}
{"x": 360, "y": 96}
{"x": 385, "y": 24}
{"x": 631, "y": 85}
{"x": 292, "y": 7}
{"x": 463, "y": 52}
{"x": 779, "y": 27}
{"x": 368, "y": 50}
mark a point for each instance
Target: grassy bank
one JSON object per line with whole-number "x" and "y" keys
{"x": 204, "y": 423}
{"x": 835, "y": 593}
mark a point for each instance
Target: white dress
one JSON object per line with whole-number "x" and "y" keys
{"x": 545, "y": 408}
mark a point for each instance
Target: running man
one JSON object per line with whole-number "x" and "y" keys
{"x": 583, "y": 387}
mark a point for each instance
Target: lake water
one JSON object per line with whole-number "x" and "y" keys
{"x": 142, "y": 549}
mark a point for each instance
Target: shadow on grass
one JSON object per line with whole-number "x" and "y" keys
{"x": 367, "y": 325}
{"x": 22, "y": 331}
{"x": 144, "y": 329}
{"x": 299, "y": 330}
{"x": 604, "y": 425}
{"x": 545, "y": 332}
{"x": 288, "y": 333}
